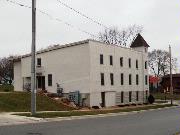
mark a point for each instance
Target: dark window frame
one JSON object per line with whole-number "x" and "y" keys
{"x": 137, "y": 95}
{"x": 129, "y": 61}
{"x": 146, "y": 80}
{"x": 39, "y": 62}
{"x": 112, "y": 78}
{"x": 111, "y": 60}
{"x": 122, "y": 79}
{"x": 137, "y": 79}
{"x": 145, "y": 49}
{"x": 146, "y": 94}
{"x": 130, "y": 79}
{"x": 130, "y": 96}
{"x": 137, "y": 64}
{"x": 145, "y": 65}
{"x": 101, "y": 59}
{"x": 102, "y": 79}
{"x": 122, "y": 97}
{"x": 121, "y": 61}
{"x": 49, "y": 79}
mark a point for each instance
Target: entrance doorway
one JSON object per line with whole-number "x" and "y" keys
{"x": 103, "y": 99}
{"x": 41, "y": 82}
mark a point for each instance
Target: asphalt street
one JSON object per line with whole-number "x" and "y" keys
{"x": 158, "y": 122}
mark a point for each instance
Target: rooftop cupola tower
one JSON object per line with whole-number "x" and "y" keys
{"x": 139, "y": 44}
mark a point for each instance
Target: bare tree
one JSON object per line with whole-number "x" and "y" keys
{"x": 159, "y": 62}
{"x": 120, "y": 37}
{"x": 6, "y": 70}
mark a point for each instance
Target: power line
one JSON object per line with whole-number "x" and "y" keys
{"x": 82, "y": 14}
{"x": 54, "y": 18}
{"x": 17, "y": 3}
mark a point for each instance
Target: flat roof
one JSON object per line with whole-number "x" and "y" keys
{"x": 58, "y": 46}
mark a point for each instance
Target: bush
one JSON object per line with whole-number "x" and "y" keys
{"x": 6, "y": 88}
{"x": 151, "y": 99}
{"x": 95, "y": 107}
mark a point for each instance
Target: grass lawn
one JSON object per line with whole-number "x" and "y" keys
{"x": 21, "y": 102}
{"x": 93, "y": 112}
{"x": 6, "y": 88}
{"x": 162, "y": 96}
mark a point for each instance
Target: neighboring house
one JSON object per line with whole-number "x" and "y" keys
{"x": 105, "y": 75}
{"x": 165, "y": 83}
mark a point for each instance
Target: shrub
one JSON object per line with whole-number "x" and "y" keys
{"x": 151, "y": 99}
{"x": 95, "y": 107}
{"x": 6, "y": 88}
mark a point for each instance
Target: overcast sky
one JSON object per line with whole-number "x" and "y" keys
{"x": 160, "y": 19}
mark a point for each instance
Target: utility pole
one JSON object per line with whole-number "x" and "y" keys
{"x": 33, "y": 60}
{"x": 171, "y": 87}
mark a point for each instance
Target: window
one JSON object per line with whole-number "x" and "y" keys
{"x": 146, "y": 80}
{"x": 122, "y": 97}
{"x": 137, "y": 64}
{"x": 111, "y": 59}
{"x": 112, "y": 78}
{"x": 39, "y": 62}
{"x": 49, "y": 79}
{"x": 122, "y": 79}
{"x": 130, "y": 96}
{"x": 102, "y": 79}
{"x": 137, "y": 95}
{"x": 121, "y": 61}
{"x": 146, "y": 95}
{"x": 145, "y": 49}
{"x": 130, "y": 79}
{"x": 129, "y": 63}
{"x": 137, "y": 79}
{"x": 101, "y": 59}
{"x": 145, "y": 64}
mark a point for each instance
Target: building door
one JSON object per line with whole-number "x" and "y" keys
{"x": 41, "y": 82}
{"x": 103, "y": 99}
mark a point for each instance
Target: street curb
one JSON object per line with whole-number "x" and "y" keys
{"x": 57, "y": 119}
{"x": 102, "y": 115}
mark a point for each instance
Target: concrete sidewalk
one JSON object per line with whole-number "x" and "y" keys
{"x": 10, "y": 119}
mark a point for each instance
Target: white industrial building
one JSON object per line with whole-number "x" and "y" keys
{"x": 104, "y": 75}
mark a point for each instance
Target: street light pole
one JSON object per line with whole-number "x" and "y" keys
{"x": 33, "y": 60}
{"x": 171, "y": 87}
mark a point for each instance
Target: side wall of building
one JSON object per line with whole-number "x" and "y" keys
{"x": 69, "y": 67}
{"x": 18, "y": 81}
{"x": 116, "y": 52}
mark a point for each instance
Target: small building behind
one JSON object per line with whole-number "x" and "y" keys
{"x": 165, "y": 83}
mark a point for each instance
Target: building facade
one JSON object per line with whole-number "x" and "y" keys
{"x": 104, "y": 75}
